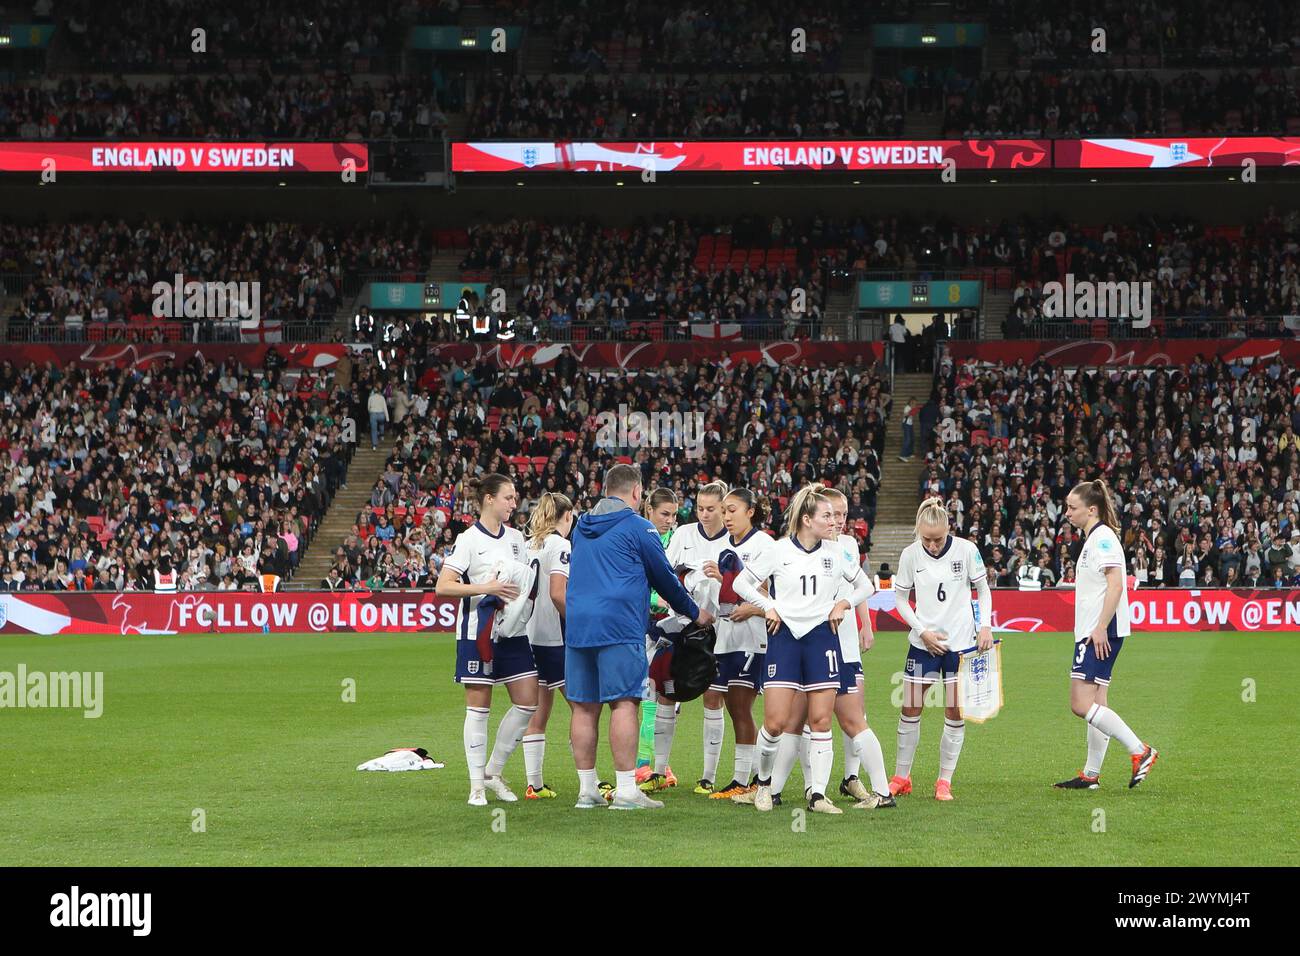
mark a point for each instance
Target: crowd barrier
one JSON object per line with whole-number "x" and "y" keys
{"x": 325, "y": 612}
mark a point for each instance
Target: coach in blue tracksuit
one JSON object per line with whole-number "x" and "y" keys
{"x": 617, "y": 558}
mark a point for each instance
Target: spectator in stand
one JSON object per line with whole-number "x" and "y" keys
{"x": 377, "y": 408}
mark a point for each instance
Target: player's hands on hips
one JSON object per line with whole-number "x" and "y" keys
{"x": 502, "y": 588}
{"x": 1101, "y": 643}
{"x": 710, "y": 570}
{"x": 773, "y": 620}
{"x": 985, "y": 639}
{"x": 744, "y": 612}
{"x": 934, "y": 642}
{"x": 705, "y": 618}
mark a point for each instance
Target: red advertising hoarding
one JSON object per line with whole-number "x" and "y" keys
{"x": 323, "y": 612}
{"x": 144, "y": 354}
{"x": 753, "y": 156}
{"x": 1096, "y": 352}
{"x": 656, "y": 354}
{"x": 183, "y": 157}
{"x": 1150, "y": 609}
{"x": 1177, "y": 152}
{"x": 223, "y": 612}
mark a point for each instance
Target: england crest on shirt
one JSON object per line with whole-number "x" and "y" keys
{"x": 828, "y": 565}
{"x": 956, "y": 569}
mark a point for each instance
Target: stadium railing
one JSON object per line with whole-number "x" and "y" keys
{"x": 1166, "y": 326}
{"x": 13, "y": 283}
{"x": 167, "y": 331}
{"x": 832, "y": 326}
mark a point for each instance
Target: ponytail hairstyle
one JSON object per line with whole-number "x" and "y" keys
{"x": 551, "y": 508}
{"x": 751, "y": 500}
{"x": 480, "y": 488}
{"x": 718, "y": 489}
{"x": 805, "y": 504}
{"x": 1098, "y": 493}
{"x": 931, "y": 513}
{"x": 657, "y": 497}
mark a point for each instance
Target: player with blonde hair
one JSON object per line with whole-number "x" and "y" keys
{"x": 941, "y": 569}
{"x": 803, "y": 651}
{"x": 548, "y": 555}
{"x": 860, "y": 742}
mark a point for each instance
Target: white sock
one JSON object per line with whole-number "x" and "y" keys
{"x": 744, "y": 763}
{"x": 822, "y": 755}
{"x": 1109, "y": 722}
{"x": 534, "y": 754}
{"x": 852, "y": 761}
{"x": 509, "y": 732}
{"x": 767, "y": 745}
{"x": 476, "y": 727}
{"x": 1097, "y": 743}
{"x": 625, "y": 784}
{"x": 587, "y": 782}
{"x": 713, "y": 729}
{"x": 665, "y": 727}
{"x": 805, "y": 757}
{"x": 866, "y": 747}
{"x": 909, "y": 735}
{"x": 954, "y": 732}
{"x": 786, "y": 755}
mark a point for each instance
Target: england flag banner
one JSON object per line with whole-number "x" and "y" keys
{"x": 979, "y": 684}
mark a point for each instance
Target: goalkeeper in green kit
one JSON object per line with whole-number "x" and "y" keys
{"x": 660, "y": 511}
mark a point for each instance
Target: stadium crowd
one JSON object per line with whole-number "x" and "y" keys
{"x": 628, "y": 37}
{"x": 289, "y": 38}
{"x": 323, "y": 108}
{"x": 667, "y": 274}
{"x": 768, "y": 429}
{"x": 79, "y": 274}
{"x": 218, "y": 471}
{"x": 1116, "y": 103}
{"x": 1202, "y": 459}
{"x": 666, "y": 107}
{"x": 1230, "y": 281}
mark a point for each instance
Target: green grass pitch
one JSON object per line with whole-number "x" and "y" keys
{"x": 254, "y": 732}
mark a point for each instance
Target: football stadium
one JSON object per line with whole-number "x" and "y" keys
{"x": 431, "y": 428}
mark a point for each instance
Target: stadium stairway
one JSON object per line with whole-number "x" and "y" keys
{"x": 997, "y": 306}
{"x": 363, "y": 472}
{"x": 897, "y": 498}
{"x": 444, "y": 264}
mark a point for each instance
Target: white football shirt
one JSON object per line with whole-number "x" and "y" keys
{"x": 1101, "y": 550}
{"x": 545, "y": 629}
{"x": 690, "y": 547}
{"x": 805, "y": 582}
{"x": 749, "y": 636}
{"x": 943, "y": 589}
{"x": 474, "y": 556}
{"x": 850, "y": 649}
{"x": 512, "y": 620}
